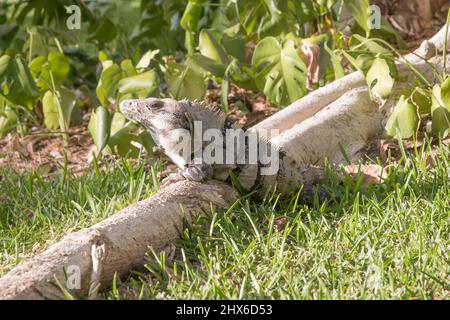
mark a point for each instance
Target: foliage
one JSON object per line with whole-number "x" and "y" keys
{"x": 176, "y": 48}
{"x": 377, "y": 60}
{"x": 154, "y": 48}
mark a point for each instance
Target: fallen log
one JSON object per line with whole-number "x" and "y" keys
{"x": 120, "y": 243}
{"x": 340, "y": 111}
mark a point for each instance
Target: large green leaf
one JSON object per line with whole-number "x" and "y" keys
{"x": 50, "y": 108}
{"x": 107, "y": 85}
{"x": 8, "y": 120}
{"x": 184, "y": 82}
{"x": 235, "y": 47}
{"x": 16, "y": 83}
{"x": 142, "y": 85}
{"x": 103, "y": 31}
{"x": 379, "y": 79}
{"x": 210, "y": 47}
{"x": 440, "y": 109}
{"x": 272, "y": 25}
{"x": 200, "y": 64}
{"x": 147, "y": 58}
{"x": 191, "y": 16}
{"x": 445, "y": 93}
{"x": 55, "y": 63}
{"x": 120, "y": 139}
{"x": 360, "y": 11}
{"x": 403, "y": 119}
{"x": 99, "y": 127}
{"x": 280, "y": 71}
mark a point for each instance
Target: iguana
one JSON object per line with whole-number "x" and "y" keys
{"x": 163, "y": 117}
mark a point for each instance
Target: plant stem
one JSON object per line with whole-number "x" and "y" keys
{"x": 447, "y": 24}
{"x": 62, "y": 122}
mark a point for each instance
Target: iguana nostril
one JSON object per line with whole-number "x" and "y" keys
{"x": 126, "y": 105}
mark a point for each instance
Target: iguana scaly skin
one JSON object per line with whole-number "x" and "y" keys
{"x": 162, "y": 116}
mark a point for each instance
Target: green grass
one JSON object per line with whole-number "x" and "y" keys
{"x": 37, "y": 211}
{"x": 387, "y": 241}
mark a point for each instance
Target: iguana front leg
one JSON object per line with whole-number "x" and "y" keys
{"x": 196, "y": 171}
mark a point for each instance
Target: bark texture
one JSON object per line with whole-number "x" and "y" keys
{"x": 123, "y": 239}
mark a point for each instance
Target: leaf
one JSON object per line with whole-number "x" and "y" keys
{"x": 272, "y": 25}
{"x": 242, "y": 75}
{"x": 366, "y": 44}
{"x": 200, "y": 64}
{"x": 359, "y": 9}
{"x": 445, "y": 93}
{"x": 210, "y": 47}
{"x": 184, "y": 83}
{"x": 120, "y": 140}
{"x": 104, "y": 31}
{"x": 338, "y": 69}
{"x": 128, "y": 68}
{"x": 305, "y": 11}
{"x": 142, "y": 85}
{"x": 147, "y": 58}
{"x": 250, "y": 13}
{"x": 147, "y": 142}
{"x": 50, "y": 108}
{"x": 8, "y": 120}
{"x": 379, "y": 79}
{"x": 404, "y": 118}
{"x": 235, "y": 47}
{"x": 99, "y": 127}
{"x": 191, "y": 16}
{"x": 56, "y": 63}
{"x": 108, "y": 83}
{"x": 422, "y": 99}
{"x": 68, "y": 100}
{"x": 440, "y": 110}
{"x": 16, "y": 82}
{"x": 280, "y": 73}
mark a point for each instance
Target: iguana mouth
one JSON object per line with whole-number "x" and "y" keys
{"x": 135, "y": 108}
{"x": 128, "y": 108}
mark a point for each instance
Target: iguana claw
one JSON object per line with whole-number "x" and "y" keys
{"x": 197, "y": 172}
{"x": 171, "y": 178}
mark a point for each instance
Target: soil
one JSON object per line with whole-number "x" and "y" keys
{"x": 43, "y": 151}
{"x": 415, "y": 20}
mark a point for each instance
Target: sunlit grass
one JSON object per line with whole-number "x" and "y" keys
{"x": 388, "y": 241}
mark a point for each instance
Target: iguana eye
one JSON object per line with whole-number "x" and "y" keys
{"x": 157, "y": 105}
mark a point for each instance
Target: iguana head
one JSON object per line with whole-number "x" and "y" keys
{"x": 158, "y": 116}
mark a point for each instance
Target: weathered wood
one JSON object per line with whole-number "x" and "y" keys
{"x": 126, "y": 237}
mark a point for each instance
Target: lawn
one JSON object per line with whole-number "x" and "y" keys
{"x": 387, "y": 241}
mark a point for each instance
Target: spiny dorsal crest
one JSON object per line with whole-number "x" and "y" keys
{"x": 210, "y": 113}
